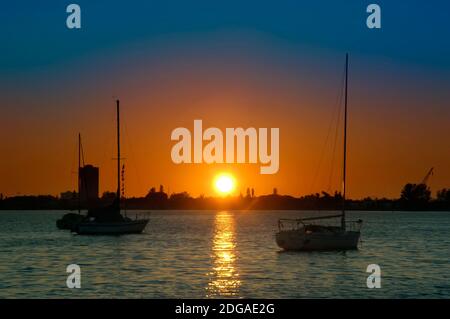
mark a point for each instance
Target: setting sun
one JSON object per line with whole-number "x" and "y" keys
{"x": 224, "y": 184}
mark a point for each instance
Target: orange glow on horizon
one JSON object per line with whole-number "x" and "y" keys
{"x": 384, "y": 152}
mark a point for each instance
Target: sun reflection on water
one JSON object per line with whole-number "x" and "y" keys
{"x": 224, "y": 277}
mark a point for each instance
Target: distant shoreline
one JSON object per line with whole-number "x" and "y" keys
{"x": 234, "y": 210}
{"x": 413, "y": 198}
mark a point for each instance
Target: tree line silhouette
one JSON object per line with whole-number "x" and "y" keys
{"x": 413, "y": 197}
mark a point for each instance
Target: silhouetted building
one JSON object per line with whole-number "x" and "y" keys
{"x": 88, "y": 183}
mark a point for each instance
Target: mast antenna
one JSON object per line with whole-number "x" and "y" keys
{"x": 118, "y": 152}
{"x": 79, "y": 173}
{"x": 345, "y": 145}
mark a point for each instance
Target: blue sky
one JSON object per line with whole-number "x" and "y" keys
{"x": 413, "y": 32}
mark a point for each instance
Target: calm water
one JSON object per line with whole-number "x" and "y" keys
{"x": 223, "y": 254}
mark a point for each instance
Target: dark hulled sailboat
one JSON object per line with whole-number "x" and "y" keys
{"x": 70, "y": 220}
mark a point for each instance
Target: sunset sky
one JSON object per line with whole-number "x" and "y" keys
{"x": 231, "y": 64}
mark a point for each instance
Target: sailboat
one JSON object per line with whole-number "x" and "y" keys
{"x": 307, "y": 234}
{"x": 69, "y": 220}
{"x": 109, "y": 220}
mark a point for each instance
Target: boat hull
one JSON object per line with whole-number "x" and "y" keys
{"x": 111, "y": 228}
{"x": 299, "y": 240}
{"x": 69, "y": 221}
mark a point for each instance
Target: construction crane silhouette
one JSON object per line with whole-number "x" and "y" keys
{"x": 425, "y": 179}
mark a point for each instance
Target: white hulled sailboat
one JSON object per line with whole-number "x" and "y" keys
{"x": 307, "y": 234}
{"x": 108, "y": 220}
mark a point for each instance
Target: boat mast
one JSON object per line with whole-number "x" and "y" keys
{"x": 79, "y": 177}
{"x": 118, "y": 153}
{"x": 345, "y": 145}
